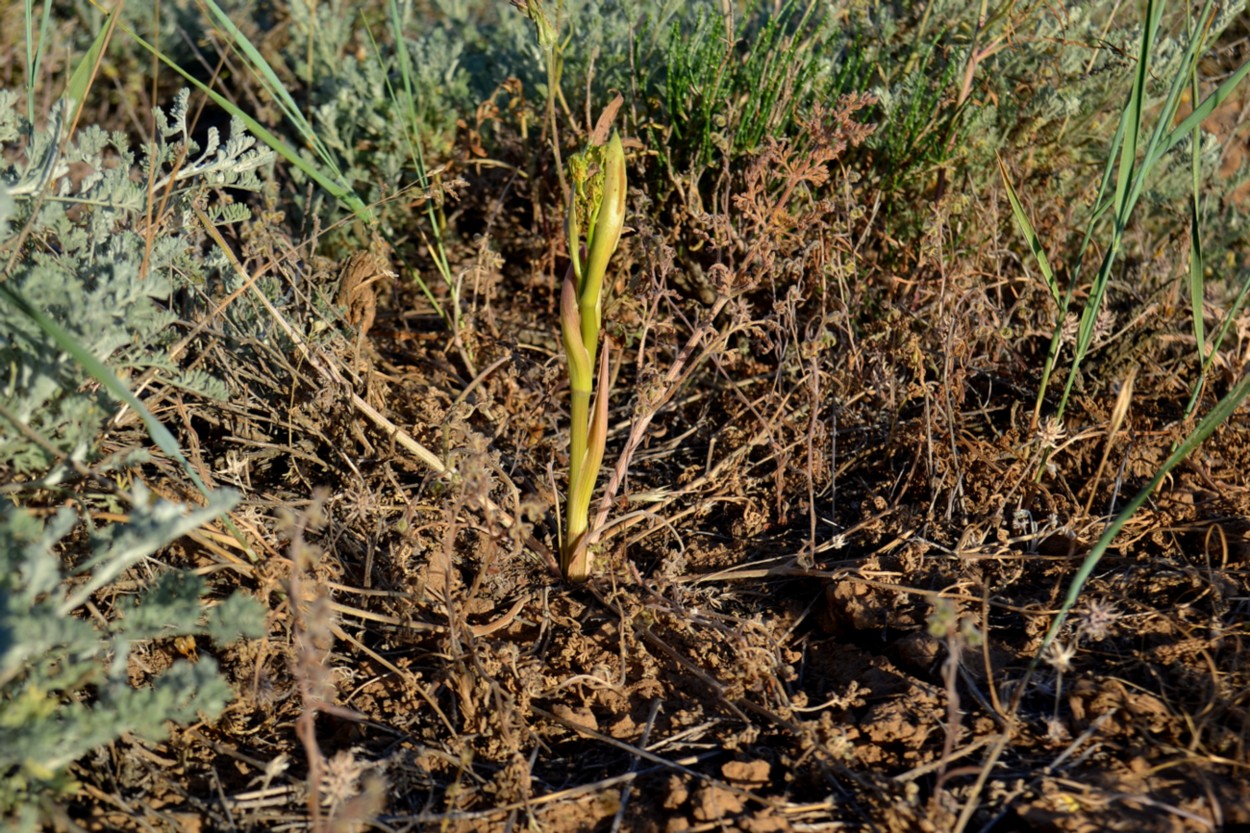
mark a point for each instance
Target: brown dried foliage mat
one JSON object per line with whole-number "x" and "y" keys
{"x": 829, "y": 567}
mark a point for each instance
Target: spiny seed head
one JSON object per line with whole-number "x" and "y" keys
{"x": 1051, "y": 433}
{"x": 1099, "y": 619}
{"x": 1059, "y": 656}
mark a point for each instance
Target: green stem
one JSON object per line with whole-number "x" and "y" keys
{"x": 580, "y": 385}
{"x": 576, "y": 557}
{"x": 579, "y": 434}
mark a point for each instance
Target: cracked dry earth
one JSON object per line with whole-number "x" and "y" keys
{"x": 830, "y": 568}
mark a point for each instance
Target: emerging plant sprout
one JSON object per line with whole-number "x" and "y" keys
{"x": 596, "y": 215}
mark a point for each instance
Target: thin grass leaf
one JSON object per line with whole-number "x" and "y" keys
{"x": 1218, "y": 341}
{"x": 1201, "y": 112}
{"x": 34, "y": 52}
{"x": 1218, "y": 416}
{"x": 1030, "y": 236}
{"x": 331, "y": 182}
{"x": 1133, "y": 112}
{"x": 98, "y": 371}
{"x": 1197, "y": 294}
{"x": 1172, "y": 102}
{"x": 1122, "y": 201}
{"x": 80, "y": 80}
{"x": 1127, "y": 174}
{"x": 418, "y": 156}
{"x": 277, "y": 90}
{"x": 416, "y": 152}
{"x": 1102, "y": 203}
{"x": 272, "y": 84}
{"x": 1131, "y": 176}
{"x": 1197, "y": 267}
{"x": 1186, "y": 127}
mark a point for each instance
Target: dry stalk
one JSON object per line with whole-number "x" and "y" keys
{"x": 670, "y": 382}
{"x": 326, "y": 368}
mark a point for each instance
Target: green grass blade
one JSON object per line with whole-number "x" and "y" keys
{"x": 1127, "y": 173}
{"x": 1131, "y": 174}
{"x": 270, "y": 81}
{"x": 277, "y": 90}
{"x": 98, "y": 371}
{"x": 1102, "y": 203}
{"x": 331, "y": 182}
{"x": 1202, "y": 111}
{"x": 1218, "y": 416}
{"x": 1167, "y": 113}
{"x": 34, "y": 52}
{"x": 418, "y": 158}
{"x": 1218, "y": 341}
{"x": 416, "y": 151}
{"x": 1197, "y": 295}
{"x": 1197, "y": 267}
{"x": 1133, "y": 112}
{"x": 1105, "y": 200}
{"x": 80, "y": 79}
{"x": 1030, "y": 236}
{"x": 1169, "y": 139}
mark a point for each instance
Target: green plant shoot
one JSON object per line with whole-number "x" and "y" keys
{"x": 596, "y": 214}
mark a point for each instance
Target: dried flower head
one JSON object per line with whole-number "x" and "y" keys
{"x": 1098, "y": 619}
{"x": 1059, "y": 656}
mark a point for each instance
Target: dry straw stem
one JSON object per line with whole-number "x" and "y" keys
{"x": 322, "y": 364}
{"x": 638, "y": 431}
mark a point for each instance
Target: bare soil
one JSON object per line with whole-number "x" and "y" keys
{"x": 834, "y": 556}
